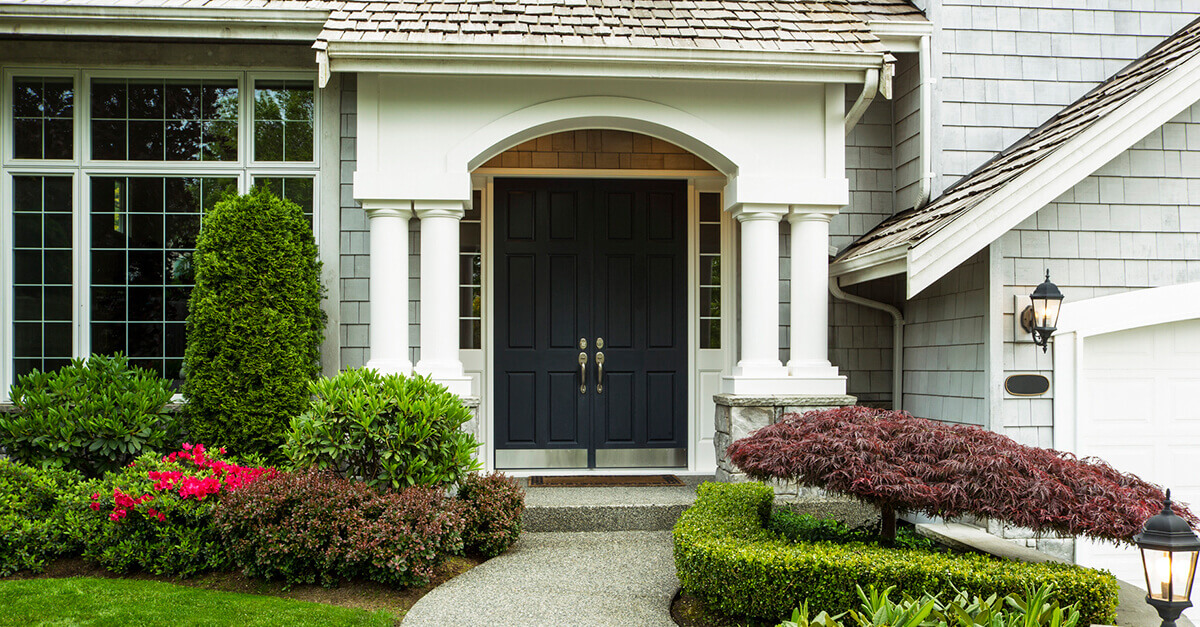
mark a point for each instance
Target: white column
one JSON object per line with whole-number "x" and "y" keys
{"x": 759, "y": 370}
{"x": 389, "y": 286}
{"x": 809, "y": 359}
{"x": 439, "y": 294}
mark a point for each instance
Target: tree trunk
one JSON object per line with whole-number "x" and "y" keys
{"x": 887, "y": 526}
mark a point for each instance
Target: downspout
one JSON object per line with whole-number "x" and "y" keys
{"x": 897, "y": 336}
{"x": 926, "y": 117}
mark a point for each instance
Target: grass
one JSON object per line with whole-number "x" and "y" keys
{"x": 91, "y": 601}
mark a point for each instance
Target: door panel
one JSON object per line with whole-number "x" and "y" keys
{"x": 595, "y": 260}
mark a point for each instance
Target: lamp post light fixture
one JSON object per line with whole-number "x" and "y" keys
{"x": 1169, "y": 548}
{"x": 1040, "y": 318}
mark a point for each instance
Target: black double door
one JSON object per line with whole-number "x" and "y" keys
{"x": 591, "y": 296}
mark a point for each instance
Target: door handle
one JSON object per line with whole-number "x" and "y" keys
{"x": 599, "y": 373}
{"x": 583, "y": 373}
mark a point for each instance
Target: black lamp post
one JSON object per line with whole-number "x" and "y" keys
{"x": 1040, "y": 318}
{"x": 1169, "y": 549}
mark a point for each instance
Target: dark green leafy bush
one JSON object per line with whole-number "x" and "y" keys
{"x": 806, "y": 528}
{"x": 387, "y": 430}
{"x": 494, "y": 506}
{"x": 156, "y": 514}
{"x": 30, "y": 529}
{"x": 254, "y": 325}
{"x": 726, "y": 556}
{"x": 312, "y": 526}
{"x": 91, "y": 416}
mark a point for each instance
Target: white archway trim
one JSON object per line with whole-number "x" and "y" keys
{"x": 1097, "y": 316}
{"x": 589, "y": 112}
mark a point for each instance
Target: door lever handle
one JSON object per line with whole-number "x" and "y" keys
{"x": 583, "y": 373}
{"x": 599, "y": 373}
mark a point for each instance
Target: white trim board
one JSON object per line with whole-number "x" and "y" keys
{"x": 230, "y": 23}
{"x": 1080, "y": 320}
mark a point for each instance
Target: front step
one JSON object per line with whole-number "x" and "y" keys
{"x": 608, "y": 508}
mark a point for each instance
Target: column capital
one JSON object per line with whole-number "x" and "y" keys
{"x": 439, "y": 209}
{"x": 746, "y": 212}
{"x": 388, "y": 208}
{"x": 812, "y": 213}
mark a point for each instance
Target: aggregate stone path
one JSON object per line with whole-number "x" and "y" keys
{"x": 561, "y": 578}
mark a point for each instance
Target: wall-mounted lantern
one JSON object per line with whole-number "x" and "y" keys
{"x": 1040, "y": 318}
{"x": 1169, "y": 549}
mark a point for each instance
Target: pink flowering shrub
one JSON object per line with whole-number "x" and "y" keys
{"x": 495, "y": 504}
{"x": 316, "y": 527}
{"x": 156, "y": 513}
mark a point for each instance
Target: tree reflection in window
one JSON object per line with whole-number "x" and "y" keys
{"x": 283, "y": 120}
{"x": 164, "y": 120}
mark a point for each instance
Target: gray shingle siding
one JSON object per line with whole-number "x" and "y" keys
{"x": 1133, "y": 224}
{"x": 355, "y": 261}
{"x": 945, "y": 354}
{"x": 1003, "y": 69}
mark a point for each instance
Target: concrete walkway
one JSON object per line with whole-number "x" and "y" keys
{"x": 561, "y": 578}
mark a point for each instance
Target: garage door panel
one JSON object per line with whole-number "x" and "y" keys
{"x": 1139, "y": 410}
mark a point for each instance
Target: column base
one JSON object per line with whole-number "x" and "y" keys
{"x": 391, "y": 366}
{"x": 826, "y": 385}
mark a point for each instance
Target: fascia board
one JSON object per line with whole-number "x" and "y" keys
{"x": 876, "y": 265}
{"x": 1020, "y": 198}
{"x": 299, "y": 24}
{"x": 600, "y": 61}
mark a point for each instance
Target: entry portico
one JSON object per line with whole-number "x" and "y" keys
{"x": 772, "y": 127}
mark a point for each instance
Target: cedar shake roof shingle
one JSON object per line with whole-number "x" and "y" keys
{"x": 826, "y": 26}
{"x": 909, "y": 228}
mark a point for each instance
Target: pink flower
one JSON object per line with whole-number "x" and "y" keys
{"x": 95, "y": 507}
{"x": 96, "y": 496}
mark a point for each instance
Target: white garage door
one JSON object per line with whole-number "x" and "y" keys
{"x": 1139, "y": 410}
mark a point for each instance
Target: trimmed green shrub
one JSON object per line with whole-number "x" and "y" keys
{"x": 804, "y": 527}
{"x": 387, "y": 430}
{"x": 254, "y": 325}
{"x": 313, "y": 526}
{"x": 30, "y": 530}
{"x": 726, "y": 556}
{"x": 92, "y": 416}
{"x": 494, "y": 506}
{"x": 156, "y": 514}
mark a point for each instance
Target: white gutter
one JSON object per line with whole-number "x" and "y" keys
{"x": 926, "y": 86}
{"x": 897, "y": 336}
{"x": 232, "y": 22}
{"x": 517, "y": 59}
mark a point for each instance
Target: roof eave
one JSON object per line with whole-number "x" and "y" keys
{"x": 301, "y": 24}
{"x": 1011, "y": 204}
{"x": 901, "y": 35}
{"x": 601, "y": 61}
{"x": 874, "y": 265}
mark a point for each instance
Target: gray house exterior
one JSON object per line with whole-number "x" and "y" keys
{"x": 872, "y": 187}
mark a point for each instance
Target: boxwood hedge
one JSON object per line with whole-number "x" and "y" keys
{"x": 725, "y": 555}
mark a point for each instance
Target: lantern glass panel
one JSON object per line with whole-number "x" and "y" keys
{"x": 1169, "y": 574}
{"x": 1045, "y": 312}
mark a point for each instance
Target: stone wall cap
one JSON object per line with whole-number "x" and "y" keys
{"x": 743, "y": 400}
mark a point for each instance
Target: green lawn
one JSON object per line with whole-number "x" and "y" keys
{"x": 87, "y": 601}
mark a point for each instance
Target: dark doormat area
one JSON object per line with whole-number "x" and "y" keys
{"x": 615, "y": 481}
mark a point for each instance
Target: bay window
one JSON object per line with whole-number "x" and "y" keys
{"x": 105, "y": 181}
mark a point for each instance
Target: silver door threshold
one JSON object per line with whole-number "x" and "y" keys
{"x": 569, "y": 458}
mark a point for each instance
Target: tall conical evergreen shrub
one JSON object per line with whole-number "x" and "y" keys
{"x": 255, "y": 323}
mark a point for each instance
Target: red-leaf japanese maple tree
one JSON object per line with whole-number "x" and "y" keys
{"x": 901, "y": 463}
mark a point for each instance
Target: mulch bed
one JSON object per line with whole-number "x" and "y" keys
{"x": 365, "y": 595}
{"x": 689, "y": 611}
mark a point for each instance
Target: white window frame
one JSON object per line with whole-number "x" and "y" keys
{"x": 82, "y": 168}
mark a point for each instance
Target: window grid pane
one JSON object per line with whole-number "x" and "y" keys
{"x": 710, "y": 270}
{"x": 470, "y": 276}
{"x": 164, "y": 120}
{"x": 43, "y": 118}
{"x": 283, "y": 120}
{"x": 296, "y": 189}
{"x": 42, "y": 272}
{"x": 143, "y": 235}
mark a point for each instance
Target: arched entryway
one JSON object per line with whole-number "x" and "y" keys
{"x": 594, "y": 253}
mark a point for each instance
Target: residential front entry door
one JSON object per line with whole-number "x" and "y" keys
{"x": 591, "y": 326}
